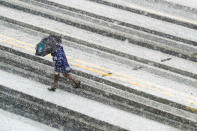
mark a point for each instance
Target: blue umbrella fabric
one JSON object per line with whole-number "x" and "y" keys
{"x": 48, "y": 45}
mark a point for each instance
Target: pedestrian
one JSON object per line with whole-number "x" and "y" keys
{"x": 61, "y": 66}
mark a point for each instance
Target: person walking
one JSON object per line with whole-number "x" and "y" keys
{"x": 61, "y": 66}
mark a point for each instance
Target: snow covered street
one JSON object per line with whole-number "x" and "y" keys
{"x": 12, "y": 122}
{"x": 80, "y": 104}
{"x": 135, "y": 69}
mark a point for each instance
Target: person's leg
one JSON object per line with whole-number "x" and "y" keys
{"x": 55, "y": 83}
{"x": 69, "y": 76}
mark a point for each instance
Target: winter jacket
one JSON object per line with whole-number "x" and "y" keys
{"x": 60, "y": 61}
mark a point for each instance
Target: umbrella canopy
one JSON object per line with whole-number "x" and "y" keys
{"x": 48, "y": 45}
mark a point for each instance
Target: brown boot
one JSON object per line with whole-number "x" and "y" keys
{"x": 77, "y": 82}
{"x": 77, "y": 85}
{"x": 51, "y": 89}
{"x": 55, "y": 83}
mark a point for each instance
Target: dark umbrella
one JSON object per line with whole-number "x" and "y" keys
{"x": 48, "y": 45}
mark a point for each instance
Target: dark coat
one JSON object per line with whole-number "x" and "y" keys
{"x": 60, "y": 61}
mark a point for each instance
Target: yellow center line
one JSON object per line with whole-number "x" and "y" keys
{"x": 193, "y": 109}
{"x": 140, "y": 85}
{"x": 122, "y": 79}
{"x": 133, "y": 83}
{"x": 90, "y": 69}
{"x": 164, "y": 90}
{"x": 16, "y": 45}
{"x": 136, "y": 79}
{"x": 92, "y": 65}
{"x": 17, "y": 41}
{"x": 121, "y": 76}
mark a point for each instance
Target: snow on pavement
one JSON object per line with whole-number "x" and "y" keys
{"x": 188, "y": 3}
{"x": 85, "y": 106}
{"x": 99, "y": 39}
{"x": 180, "y": 91}
{"x": 13, "y": 122}
{"x": 161, "y": 8}
{"x": 131, "y": 18}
